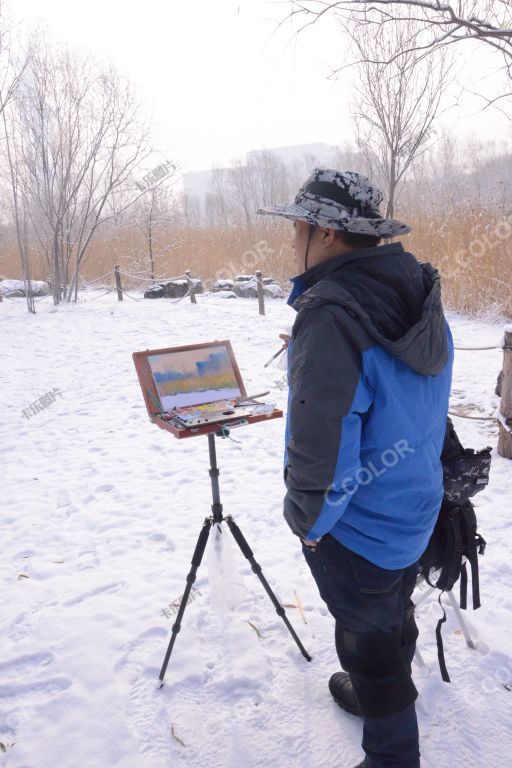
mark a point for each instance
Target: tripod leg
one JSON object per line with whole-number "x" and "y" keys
{"x": 247, "y": 552}
{"x": 418, "y": 658}
{"x": 196, "y": 562}
{"x": 462, "y": 623}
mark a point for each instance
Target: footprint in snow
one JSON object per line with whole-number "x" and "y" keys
{"x": 28, "y": 664}
{"x": 104, "y": 488}
{"x": 146, "y": 710}
{"x": 19, "y": 691}
{"x": 36, "y": 691}
{"x": 168, "y": 545}
{"x": 87, "y": 559}
{"x": 106, "y": 588}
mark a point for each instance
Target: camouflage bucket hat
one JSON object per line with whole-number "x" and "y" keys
{"x": 342, "y": 200}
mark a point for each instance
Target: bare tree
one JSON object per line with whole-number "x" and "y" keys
{"x": 19, "y": 206}
{"x": 79, "y": 138}
{"x": 153, "y": 215}
{"x": 397, "y": 101}
{"x": 270, "y": 177}
{"x": 242, "y": 190}
{"x": 191, "y": 208}
{"x": 12, "y": 68}
{"x": 262, "y": 180}
{"x": 440, "y": 24}
{"x": 217, "y": 199}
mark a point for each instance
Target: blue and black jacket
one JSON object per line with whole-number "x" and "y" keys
{"x": 369, "y": 369}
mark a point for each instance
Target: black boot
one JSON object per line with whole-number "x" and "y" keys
{"x": 340, "y": 686}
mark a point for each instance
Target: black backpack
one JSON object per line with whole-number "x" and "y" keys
{"x": 455, "y": 536}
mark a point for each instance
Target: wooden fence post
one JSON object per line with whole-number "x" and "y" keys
{"x": 191, "y": 285}
{"x": 118, "y": 283}
{"x": 261, "y": 295}
{"x": 505, "y": 438}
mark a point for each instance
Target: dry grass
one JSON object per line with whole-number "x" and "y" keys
{"x": 474, "y": 256}
{"x": 473, "y": 253}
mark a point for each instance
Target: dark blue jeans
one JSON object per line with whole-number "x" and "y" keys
{"x": 374, "y": 617}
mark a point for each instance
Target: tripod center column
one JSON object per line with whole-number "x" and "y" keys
{"x": 214, "y": 477}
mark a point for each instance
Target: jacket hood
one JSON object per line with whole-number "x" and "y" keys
{"x": 397, "y": 300}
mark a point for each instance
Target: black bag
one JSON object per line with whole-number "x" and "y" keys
{"x": 465, "y": 471}
{"x": 455, "y": 540}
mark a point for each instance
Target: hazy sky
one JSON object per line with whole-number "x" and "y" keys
{"x": 221, "y": 77}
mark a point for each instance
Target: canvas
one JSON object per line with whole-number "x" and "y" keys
{"x": 194, "y": 377}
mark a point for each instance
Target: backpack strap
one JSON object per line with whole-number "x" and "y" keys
{"x": 440, "y": 648}
{"x": 475, "y": 579}
{"x": 480, "y": 544}
{"x": 454, "y": 548}
{"x": 464, "y": 586}
{"x": 474, "y": 545}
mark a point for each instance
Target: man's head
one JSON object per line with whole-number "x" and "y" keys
{"x": 314, "y": 244}
{"x": 335, "y": 212}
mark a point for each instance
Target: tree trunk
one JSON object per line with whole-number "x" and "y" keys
{"x": 505, "y": 438}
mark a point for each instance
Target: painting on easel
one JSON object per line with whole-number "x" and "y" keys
{"x": 194, "y": 376}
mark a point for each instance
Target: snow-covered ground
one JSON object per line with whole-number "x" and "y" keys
{"x": 100, "y": 514}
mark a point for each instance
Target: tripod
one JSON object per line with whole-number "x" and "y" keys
{"x": 216, "y": 518}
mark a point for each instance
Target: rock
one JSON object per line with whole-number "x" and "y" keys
{"x": 273, "y": 290}
{"x": 17, "y": 288}
{"x": 247, "y": 287}
{"x": 155, "y": 292}
{"x": 173, "y": 289}
{"x": 223, "y": 285}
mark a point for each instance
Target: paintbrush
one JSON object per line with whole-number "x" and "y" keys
{"x": 279, "y": 351}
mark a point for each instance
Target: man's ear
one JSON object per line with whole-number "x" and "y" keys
{"x": 328, "y": 236}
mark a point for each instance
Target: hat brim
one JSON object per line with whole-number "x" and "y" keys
{"x": 358, "y": 226}
{"x": 289, "y": 211}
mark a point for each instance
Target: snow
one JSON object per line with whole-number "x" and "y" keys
{"x": 225, "y": 294}
{"x": 9, "y": 286}
{"x": 100, "y": 515}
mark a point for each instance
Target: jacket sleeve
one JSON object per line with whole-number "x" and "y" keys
{"x": 327, "y": 401}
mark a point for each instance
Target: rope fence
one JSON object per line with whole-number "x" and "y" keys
{"x": 110, "y": 290}
{"x": 194, "y": 286}
{"x": 97, "y": 279}
{"x": 117, "y": 272}
{"x": 477, "y": 349}
{"x": 156, "y": 279}
{"x": 502, "y": 416}
{"x": 503, "y": 413}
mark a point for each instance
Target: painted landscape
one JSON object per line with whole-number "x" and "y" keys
{"x": 193, "y": 376}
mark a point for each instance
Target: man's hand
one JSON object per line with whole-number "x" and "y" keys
{"x": 285, "y": 338}
{"x": 311, "y": 542}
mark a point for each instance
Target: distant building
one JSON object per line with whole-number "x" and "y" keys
{"x": 318, "y": 152}
{"x": 198, "y": 185}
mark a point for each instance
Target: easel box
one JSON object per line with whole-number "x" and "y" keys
{"x": 152, "y": 399}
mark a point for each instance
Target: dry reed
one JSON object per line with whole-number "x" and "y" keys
{"x": 472, "y": 251}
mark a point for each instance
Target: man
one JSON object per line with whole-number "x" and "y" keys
{"x": 369, "y": 369}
